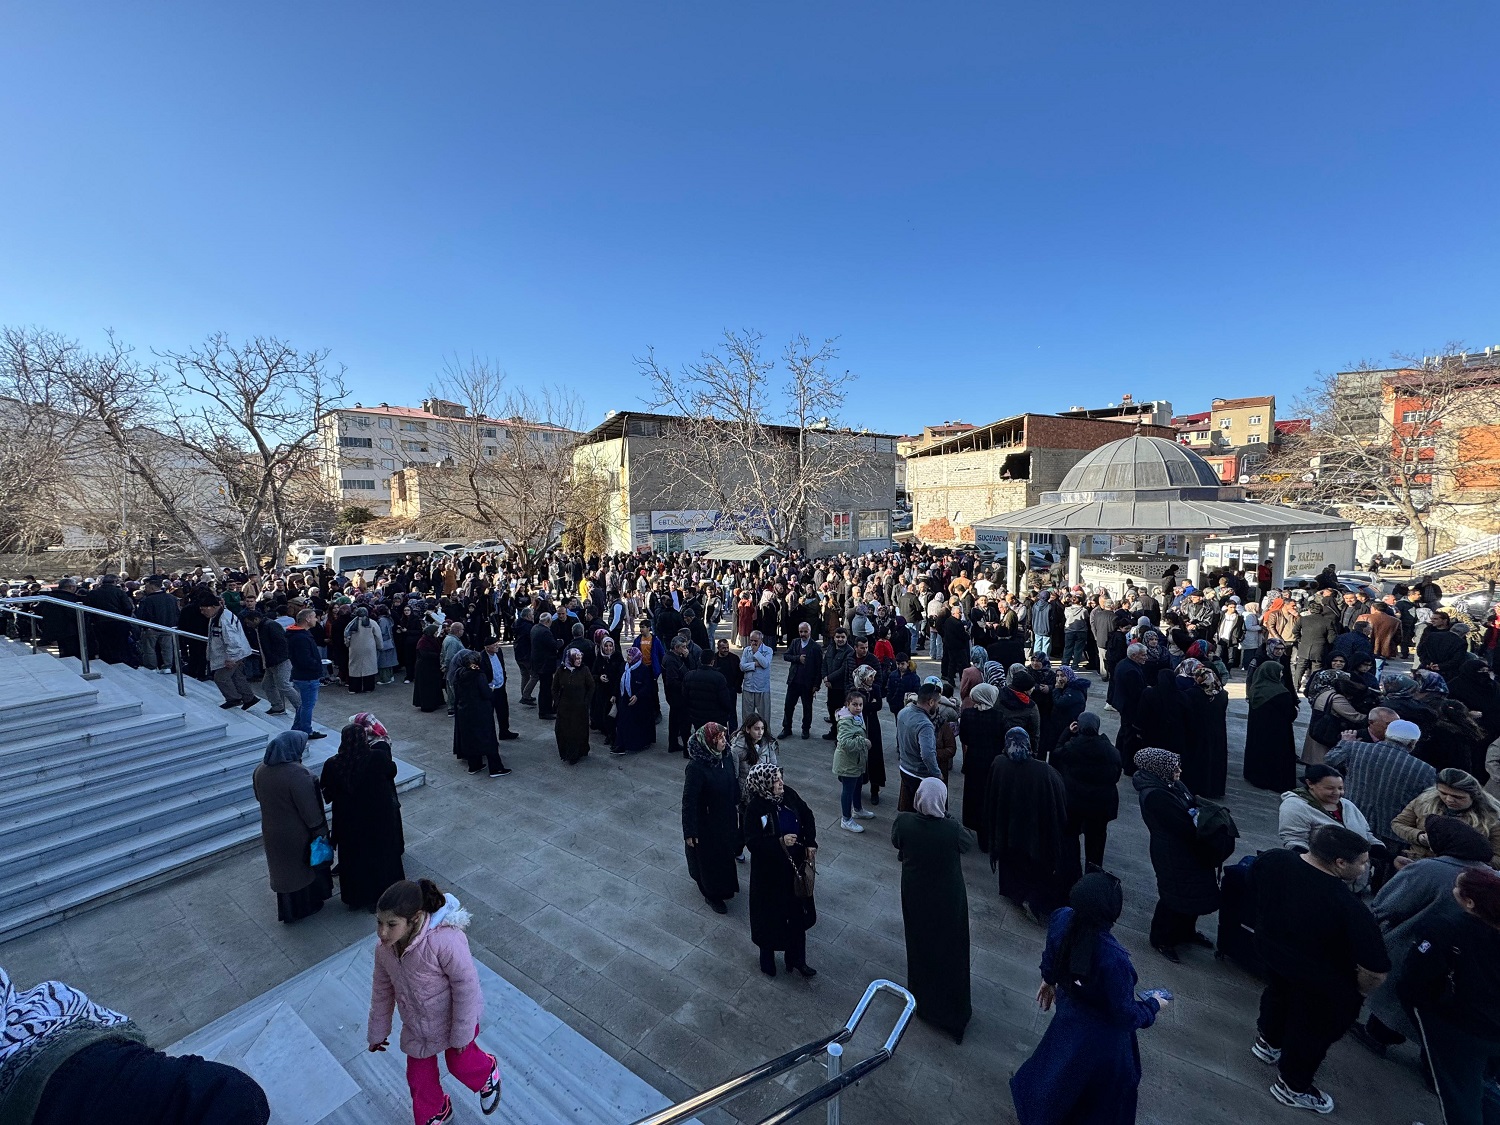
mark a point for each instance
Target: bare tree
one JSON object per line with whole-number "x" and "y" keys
{"x": 250, "y": 412}
{"x": 760, "y": 454}
{"x": 508, "y": 467}
{"x": 1387, "y": 435}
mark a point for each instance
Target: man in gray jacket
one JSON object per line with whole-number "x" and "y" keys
{"x": 755, "y": 691}
{"x": 227, "y": 650}
{"x": 916, "y": 744}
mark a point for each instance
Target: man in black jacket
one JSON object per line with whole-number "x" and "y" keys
{"x": 160, "y": 608}
{"x": 1312, "y": 636}
{"x": 544, "y": 648}
{"x": 837, "y": 664}
{"x": 805, "y": 656}
{"x": 674, "y": 672}
{"x": 277, "y": 679}
{"x": 495, "y": 671}
{"x": 112, "y": 638}
{"x": 707, "y": 697}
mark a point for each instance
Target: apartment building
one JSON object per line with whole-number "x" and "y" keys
{"x": 1234, "y": 435}
{"x": 365, "y": 446}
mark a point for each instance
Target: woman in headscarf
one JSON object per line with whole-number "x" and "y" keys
{"x": 981, "y": 731}
{"x": 1205, "y": 709}
{"x": 1270, "y": 749}
{"x": 65, "y": 1060}
{"x": 1026, "y": 807}
{"x": 572, "y": 697}
{"x": 973, "y": 674}
{"x": 427, "y": 691}
{"x": 874, "y": 681}
{"x": 1042, "y": 675}
{"x": 1087, "y": 1068}
{"x": 1332, "y": 712}
{"x": 360, "y": 782}
{"x": 474, "y": 736}
{"x": 1403, "y": 695}
{"x": 711, "y": 815}
{"x": 1070, "y": 697}
{"x": 935, "y": 907}
{"x": 1457, "y": 795}
{"x": 387, "y": 657}
{"x": 608, "y": 667}
{"x": 782, "y": 837}
{"x": 1016, "y": 705}
{"x": 1320, "y": 800}
{"x": 363, "y": 641}
{"x": 1089, "y": 765}
{"x": 291, "y": 818}
{"x": 1187, "y": 885}
{"x": 635, "y": 727}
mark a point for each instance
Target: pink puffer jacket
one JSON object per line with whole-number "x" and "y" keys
{"x": 433, "y": 983}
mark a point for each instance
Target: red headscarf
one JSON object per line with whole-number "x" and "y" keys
{"x": 884, "y": 650}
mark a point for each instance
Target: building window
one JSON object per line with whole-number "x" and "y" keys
{"x": 387, "y": 463}
{"x": 414, "y": 446}
{"x": 1201, "y": 435}
{"x": 490, "y": 450}
{"x": 1253, "y": 439}
{"x": 547, "y": 437}
{"x": 1410, "y": 416}
{"x": 836, "y": 527}
{"x": 415, "y": 427}
{"x": 354, "y": 485}
{"x": 614, "y": 480}
{"x": 387, "y": 443}
{"x": 362, "y": 422}
{"x": 1395, "y": 542}
{"x": 384, "y": 423}
{"x": 1226, "y": 423}
{"x": 444, "y": 428}
{"x": 1255, "y": 419}
{"x": 874, "y": 525}
{"x": 487, "y": 431}
{"x": 356, "y": 442}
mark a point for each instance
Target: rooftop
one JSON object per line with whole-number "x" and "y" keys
{"x": 616, "y": 422}
{"x": 1010, "y": 433}
{"x": 413, "y": 412}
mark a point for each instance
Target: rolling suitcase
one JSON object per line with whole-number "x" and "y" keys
{"x": 1237, "y": 918}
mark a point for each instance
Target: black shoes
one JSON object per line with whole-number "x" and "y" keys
{"x": 501, "y": 772}
{"x": 506, "y": 736}
{"x": 230, "y": 705}
{"x": 316, "y": 734}
{"x": 718, "y": 904}
{"x": 249, "y": 703}
{"x": 786, "y": 733}
{"x": 807, "y": 971}
{"x": 1169, "y": 953}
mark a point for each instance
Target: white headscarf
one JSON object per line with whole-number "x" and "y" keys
{"x": 931, "y": 798}
{"x": 38, "y": 1012}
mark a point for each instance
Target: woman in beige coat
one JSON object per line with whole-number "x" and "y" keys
{"x": 291, "y": 818}
{"x": 1458, "y": 795}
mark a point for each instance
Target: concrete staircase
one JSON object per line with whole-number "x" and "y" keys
{"x": 112, "y": 785}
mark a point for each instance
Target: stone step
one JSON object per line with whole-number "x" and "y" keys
{"x": 210, "y": 817}
{"x": 174, "y": 731}
{"x": 189, "y": 856}
{"x": 17, "y": 714}
{"x": 110, "y": 739}
{"x": 120, "y": 822}
{"x": 26, "y": 725}
{"x": 53, "y": 805}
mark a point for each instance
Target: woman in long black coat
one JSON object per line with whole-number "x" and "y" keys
{"x": 427, "y": 690}
{"x": 711, "y": 815}
{"x": 1187, "y": 884}
{"x": 982, "y": 733}
{"x": 572, "y": 698}
{"x": 1270, "y": 748}
{"x": 1162, "y": 716}
{"x": 606, "y": 670}
{"x": 935, "y": 907}
{"x": 359, "y": 781}
{"x": 1027, "y": 809}
{"x": 782, "y": 836}
{"x": 474, "y": 737}
{"x": 1090, "y": 767}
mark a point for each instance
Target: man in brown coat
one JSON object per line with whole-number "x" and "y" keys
{"x": 1385, "y": 632}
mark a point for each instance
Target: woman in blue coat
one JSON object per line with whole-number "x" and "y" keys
{"x": 1087, "y": 1068}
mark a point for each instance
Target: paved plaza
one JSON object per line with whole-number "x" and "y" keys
{"x": 581, "y": 900}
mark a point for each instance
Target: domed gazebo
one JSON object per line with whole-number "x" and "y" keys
{"x": 1149, "y": 488}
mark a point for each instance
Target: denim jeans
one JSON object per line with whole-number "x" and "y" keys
{"x": 849, "y": 795}
{"x": 1042, "y": 643}
{"x": 308, "y": 690}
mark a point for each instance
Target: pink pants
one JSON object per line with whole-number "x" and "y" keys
{"x": 471, "y": 1066}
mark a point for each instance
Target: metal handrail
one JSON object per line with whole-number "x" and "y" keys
{"x": 838, "y": 1081}
{"x": 83, "y": 640}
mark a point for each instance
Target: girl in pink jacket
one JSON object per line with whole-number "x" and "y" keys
{"x": 423, "y": 967}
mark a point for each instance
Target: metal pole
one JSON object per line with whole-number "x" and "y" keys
{"x": 83, "y": 646}
{"x": 835, "y": 1064}
{"x": 177, "y": 664}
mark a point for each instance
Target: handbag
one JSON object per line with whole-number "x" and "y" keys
{"x": 320, "y": 851}
{"x": 804, "y": 877}
{"x": 1326, "y": 727}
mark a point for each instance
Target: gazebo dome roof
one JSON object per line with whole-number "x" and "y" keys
{"x": 1139, "y": 463}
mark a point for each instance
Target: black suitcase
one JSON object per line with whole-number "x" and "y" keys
{"x": 1237, "y": 918}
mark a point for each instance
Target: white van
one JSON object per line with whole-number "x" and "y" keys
{"x": 369, "y": 556}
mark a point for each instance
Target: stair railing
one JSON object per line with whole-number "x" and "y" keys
{"x": 831, "y": 1045}
{"x": 80, "y": 610}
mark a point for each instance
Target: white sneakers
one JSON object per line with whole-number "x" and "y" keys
{"x": 863, "y": 814}
{"x": 1314, "y": 1099}
{"x": 851, "y": 826}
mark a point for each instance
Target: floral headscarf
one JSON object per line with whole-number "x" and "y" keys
{"x": 762, "y": 779}
{"x": 1273, "y": 647}
{"x": 1066, "y": 674}
{"x": 1017, "y": 744}
{"x": 977, "y": 656}
{"x": 632, "y": 655}
{"x": 1322, "y": 681}
{"x": 1158, "y": 763}
{"x": 1396, "y": 685}
{"x": 703, "y": 746}
{"x": 600, "y": 634}
{"x": 371, "y": 725}
{"x": 1430, "y": 682}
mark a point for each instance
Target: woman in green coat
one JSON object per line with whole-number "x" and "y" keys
{"x": 935, "y": 908}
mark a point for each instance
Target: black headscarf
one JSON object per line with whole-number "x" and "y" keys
{"x": 1096, "y": 900}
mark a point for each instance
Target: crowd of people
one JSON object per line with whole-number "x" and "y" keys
{"x": 1387, "y": 799}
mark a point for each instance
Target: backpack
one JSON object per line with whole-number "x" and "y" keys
{"x": 1217, "y": 830}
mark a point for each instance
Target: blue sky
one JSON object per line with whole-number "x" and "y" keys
{"x": 995, "y": 207}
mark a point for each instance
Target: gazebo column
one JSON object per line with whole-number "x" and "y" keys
{"x": 1276, "y": 545}
{"x": 1023, "y": 564}
{"x": 1194, "y": 548}
{"x": 1010, "y": 563}
{"x": 1073, "y": 559}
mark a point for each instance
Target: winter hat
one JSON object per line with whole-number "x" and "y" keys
{"x": 1403, "y": 730}
{"x": 1021, "y": 680}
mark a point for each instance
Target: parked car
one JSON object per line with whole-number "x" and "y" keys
{"x": 1476, "y": 604}
{"x": 485, "y": 545}
{"x": 1345, "y": 583}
